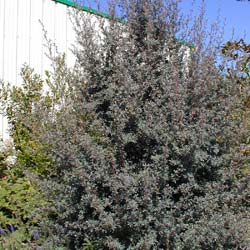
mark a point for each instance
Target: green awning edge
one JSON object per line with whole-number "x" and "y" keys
{"x": 85, "y": 8}
{"x": 105, "y": 15}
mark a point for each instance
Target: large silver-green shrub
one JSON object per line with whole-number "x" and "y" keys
{"x": 142, "y": 138}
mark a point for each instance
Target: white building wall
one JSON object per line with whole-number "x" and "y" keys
{"x": 22, "y": 38}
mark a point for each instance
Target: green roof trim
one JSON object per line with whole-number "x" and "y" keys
{"x": 87, "y": 9}
{"x": 105, "y": 15}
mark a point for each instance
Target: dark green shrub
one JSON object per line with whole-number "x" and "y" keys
{"x": 20, "y": 105}
{"x": 21, "y": 204}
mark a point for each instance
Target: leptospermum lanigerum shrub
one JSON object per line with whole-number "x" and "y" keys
{"x": 141, "y": 137}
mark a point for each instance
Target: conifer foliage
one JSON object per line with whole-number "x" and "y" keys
{"x": 141, "y": 137}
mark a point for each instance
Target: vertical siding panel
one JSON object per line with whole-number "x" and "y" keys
{"x": 2, "y": 18}
{"x": 29, "y": 31}
{"x": 2, "y": 38}
{"x": 2, "y": 6}
{"x": 24, "y": 36}
{"x": 42, "y": 40}
{"x": 8, "y": 51}
{"x": 10, "y": 38}
{"x": 49, "y": 25}
{"x": 60, "y": 29}
{"x": 17, "y": 42}
{"x": 36, "y": 35}
{"x": 70, "y": 39}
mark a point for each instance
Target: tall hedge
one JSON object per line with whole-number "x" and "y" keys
{"x": 142, "y": 139}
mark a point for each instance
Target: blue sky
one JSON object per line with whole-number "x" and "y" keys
{"x": 236, "y": 14}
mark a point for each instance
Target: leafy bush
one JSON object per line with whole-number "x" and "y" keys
{"x": 19, "y": 104}
{"x": 22, "y": 161}
{"x": 141, "y": 138}
{"x": 21, "y": 204}
{"x": 143, "y": 147}
{"x": 237, "y": 53}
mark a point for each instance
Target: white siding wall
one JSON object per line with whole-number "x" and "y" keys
{"x": 21, "y": 38}
{"x": 22, "y": 41}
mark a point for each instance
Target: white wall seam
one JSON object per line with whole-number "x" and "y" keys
{"x": 17, "y": 41}
{"x": 30, "y": 31}
{"x": 54, "y": 34}
{"x": 66, "y": 35}
{"x": 3, "y": 120}
{"x": 4, "y": 9}
{"x": 42, "y": 39}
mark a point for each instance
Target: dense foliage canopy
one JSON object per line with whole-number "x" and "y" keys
{"x": 137, "y": 146}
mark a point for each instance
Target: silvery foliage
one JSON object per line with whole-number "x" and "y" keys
{"x": 144, "y": 144}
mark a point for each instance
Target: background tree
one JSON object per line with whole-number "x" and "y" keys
{"x": 237, "y": 54}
